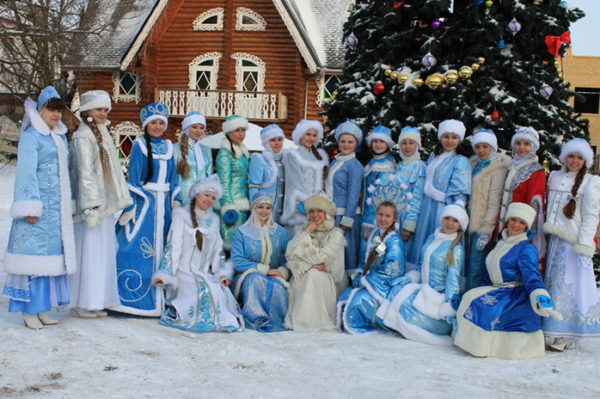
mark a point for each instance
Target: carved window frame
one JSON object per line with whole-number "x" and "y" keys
{"x": 125, "y": 133}
{"x": 200, "y": 25}
{"x": 242, "y": 12}
{"x": 260, "y": 68}
{"x": 127, "y": 97}
{"x": 323, "y": 93}
{"x": 195, "y": 67}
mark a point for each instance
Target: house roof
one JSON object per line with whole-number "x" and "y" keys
{"x": 315, "y": 25}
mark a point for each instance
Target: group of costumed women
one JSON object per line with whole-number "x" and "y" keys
{"x": 448, "y": 251}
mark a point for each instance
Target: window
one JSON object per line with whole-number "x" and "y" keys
{"x": 123, "y": 135}
{"x": 588, "y": 100}
{"x": 249, "y": 72}
{"x": 203, "y": 71}
{"x": 211, "y": 20}
{"x": 249, "y": 20}
{"x": 127, "y": 86}
{"x": 328, "y": 84}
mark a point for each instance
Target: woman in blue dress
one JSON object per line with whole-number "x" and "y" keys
{"x": 258, "y": 256}
{"x": 193, "y": 269}
{"x": 343, "y": 186}
{"x": 447, "y": 181}
{"x": 411, "y": 178}
{"x": 424, "y": 304}
{"x": 41, "y": 244}
{"x": 371, "y": 286}
{"x": 504, "y": 319}
{"x": 380, "y": 182}
{"x": 194, "y": 160}
{"x": 143, "y": 226}
{"x": 266, "y": 175}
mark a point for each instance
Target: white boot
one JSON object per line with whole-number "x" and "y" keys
{"x": 563, "y": 344}
{"x": 100, "y": 313}
{"x": 46, "y": 319}
{"x": 31, "y": 321}
{"x": 82, "y": 313}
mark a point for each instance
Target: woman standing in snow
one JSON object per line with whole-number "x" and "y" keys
{"x": 143, "y": 227}
{"x": 489, "y": 174}
{"x": 197, "y": 280}
{"x": 100, "y": 191}
{"x": 447, "y": 181}
{"x": 194, "y": 160}
{"x": 571, "y": 221}
{"x": 41, "y": 245}
{"x": 305, "y": 170}
{"x": 343, "y": 186}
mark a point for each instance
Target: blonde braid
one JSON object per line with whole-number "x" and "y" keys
{"x": 183, "y": 169}
{"x": 450, "y": 257}
{"x": 104, "y": 159}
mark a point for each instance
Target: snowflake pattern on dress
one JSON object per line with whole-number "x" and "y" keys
{"x": 494, "y": 323}
{"x": 489, "y": 300}
{"x": 469, "y": 314}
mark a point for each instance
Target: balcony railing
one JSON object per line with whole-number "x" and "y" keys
{"x": 256, "y": 105}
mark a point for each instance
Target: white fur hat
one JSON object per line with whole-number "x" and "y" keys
{"x": 210, "y": 183}
{"x": 458, "y": 213}
{"x": 234, "y": 122}
{"x": 351, "y": 128}
{"x": 382, "y": 133}
{"x": 320, "y": 201}
{"x": 94, "y": 99}
{"x": 303, "y": 126}
{"x": 579, "y": 146}
{"x": 485, "y": 136}
{"x": 526, "y": 133}
{"x": 192, "y": 118}
{"x": 522, "y": 211}
{"x": 451, "y": 126}
{"x": 412, "y": 133}
{"x": 268, "y": 133}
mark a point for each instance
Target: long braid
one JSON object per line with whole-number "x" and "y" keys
{"x": 450, "y": 257}
{"x": 183, "y": 169}
{"x": 150, "y": 159}
{"x": 199, "y": 236}
{"x": 104, "y": 159}
{"x": 232, "y": 147}
{"x": 569, "y": 209}
{"x": 313, "y": 149}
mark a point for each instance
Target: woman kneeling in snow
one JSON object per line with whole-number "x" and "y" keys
{"x": 197, "y": 281}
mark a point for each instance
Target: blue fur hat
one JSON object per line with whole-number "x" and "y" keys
{"x": 192, "y": 118}
{"x": 154, "y": 111}
{"x": 270, "y": 132}
{"x": 349, "y": 127}
{"x": 234, "y": 122}
{"x": 45, "y": 95}
{"x": 382, "y": 133}
{"x": 485, "y": 136}
{"x": 412, "y": 133}
{"x": 261, "y": 198}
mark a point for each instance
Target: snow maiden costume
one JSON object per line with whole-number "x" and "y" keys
{"x": 447, "y": 181}
{"x": 304, "y": 173}
{"x": 358, "y": 305}
{"x": 312, "y": 293}
{"x": 193, "y": 270}
{"x": 266, "y": 175}
{"x": 569, "y": 269}
{"x": 484, "y": 207}
{"x": 526, "y": 183}
{"x": 232, "y": 168}
{"x": 411, "y": 178}
{"x": 424, "y": 302}
{"x": 100, "y": 191}
{"x": 503, "y": 319}
{"x": 194, "y": 160}
{"x": 143, "y": 227}
{"x": 255, "y": 251}
{"x": 40, "y": 255}
{"x": 343, "y": 186}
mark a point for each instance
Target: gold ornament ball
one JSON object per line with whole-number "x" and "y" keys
{"x": 418, "y": 81}
{"x": 489, "y": 3}
{"x": 434, "y": 81}
{"x": 538, "y": 2}
{"x": 480, "y": 60}
{"x": 394, "y": 75}
{"x": 475, "y": 66}
{"x": 451, "y": 77}
{"x": 351, "y": 7}
{"x": 465, "y": 72}
{"x": 402, "y": 78}
{"x": 388, "y": 72}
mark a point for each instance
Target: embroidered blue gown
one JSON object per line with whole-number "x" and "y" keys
{"x": 141, "y": 240}
{"x": 264, "y": 299}
{"x": 266, "y": 176}
{"x": 343, "y": 186}
{"x": 358, "y": 305}
{"x": 447, "y": 181}
{"x": 200, "y": 161}
{"x": 422, "y": 308}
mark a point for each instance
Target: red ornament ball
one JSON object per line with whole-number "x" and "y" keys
{"x": 398, "y": 4}
{"x": 495, "y": 115}
{"x": 378, "y": 88}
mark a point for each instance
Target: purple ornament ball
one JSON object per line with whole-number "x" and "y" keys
{"x": 436, "y": 24}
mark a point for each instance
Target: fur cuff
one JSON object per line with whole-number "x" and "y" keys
{"x": 237, "y": 205}
{"x": 414, "y": 275}
{"x": 285, "y": 273}
{"x": 167, "y": 278}
{"x": 262, "y": 268}
{"x": 429, "y": 302}
{"x": 584, "y": 250}
{"x": 558, "y": 231}
{"x": 347, "y": 222}
{"x": 532, "y": 299}
{"x": 21, "y": 209}
{"x": 409, "y": 225}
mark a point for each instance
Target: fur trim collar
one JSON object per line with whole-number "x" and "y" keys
{"x": 33, "y": 118}
{"x": 240, "y": 149}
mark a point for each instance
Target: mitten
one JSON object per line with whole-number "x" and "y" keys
{"x": 356, "y": 281}
{"x": 126, "y": 217}
{"x": 543, "y": 305}
{"x": 481, "y": 242}
{"x": 92, "y": 217}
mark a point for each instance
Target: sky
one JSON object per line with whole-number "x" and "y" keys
{"x": 585, "y": 33}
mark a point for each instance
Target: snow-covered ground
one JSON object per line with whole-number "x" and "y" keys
{"x": 127, "y": 357}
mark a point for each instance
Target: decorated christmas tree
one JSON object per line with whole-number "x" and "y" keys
{"x": 489, "y": 63}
